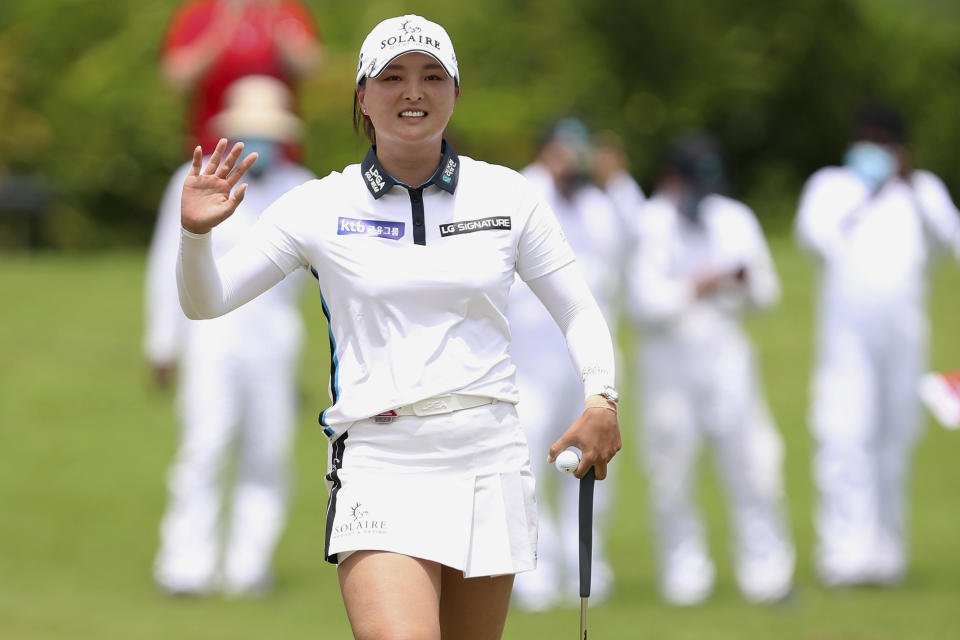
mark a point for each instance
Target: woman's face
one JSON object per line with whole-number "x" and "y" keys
{"x": 411, "y": 100}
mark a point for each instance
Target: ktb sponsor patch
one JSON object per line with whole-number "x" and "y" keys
{"x": 495, "y": 223}
{"x": 371, "y": 228}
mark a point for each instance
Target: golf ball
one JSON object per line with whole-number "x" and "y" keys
{"x": 567, "y": 461}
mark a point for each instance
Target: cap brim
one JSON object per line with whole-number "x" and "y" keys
{"x": 453, "y": 73}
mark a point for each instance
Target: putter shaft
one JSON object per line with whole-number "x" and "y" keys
{"x": 583, "y": 619}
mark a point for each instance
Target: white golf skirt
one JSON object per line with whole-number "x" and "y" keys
{"x": 453, "y": 488}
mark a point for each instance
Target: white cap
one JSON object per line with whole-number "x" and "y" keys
{"x": 405, "y": 34}
{"x": 258, "y": 107}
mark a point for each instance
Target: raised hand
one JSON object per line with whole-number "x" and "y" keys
{"x": 207, "y": 199}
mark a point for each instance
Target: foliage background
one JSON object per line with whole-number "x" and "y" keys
{"x": 82, "y": 103}
{"x": 84, "y": 442}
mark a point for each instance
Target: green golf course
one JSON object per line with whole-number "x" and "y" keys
{"x": 85, "y": 441}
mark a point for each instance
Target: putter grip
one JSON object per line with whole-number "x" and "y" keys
{"x": 586, "y": 531}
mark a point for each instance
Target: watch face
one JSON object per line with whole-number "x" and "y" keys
{"x": 611, "y": 394}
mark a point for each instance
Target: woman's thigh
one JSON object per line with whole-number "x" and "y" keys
{"x": 473, "y": 608}
{"x": 390, "y": 596}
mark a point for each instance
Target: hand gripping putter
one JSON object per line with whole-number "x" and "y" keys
{"x": 586, "y": 545}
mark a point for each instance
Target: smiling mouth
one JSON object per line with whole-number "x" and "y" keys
{"x": 410, "y": 113}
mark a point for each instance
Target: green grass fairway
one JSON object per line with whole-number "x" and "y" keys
{"x": 85, "y": 442}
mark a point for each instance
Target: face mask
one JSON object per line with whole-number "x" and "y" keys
{"x": 268, "y": 153}
{"x": 689, "y": 207}
{"x": 872, "y": 163}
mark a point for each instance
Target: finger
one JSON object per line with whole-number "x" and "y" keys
{"x": 237, "y": 196}
{"x": 215, "y": 158}
{"x": 587, "y": 460}
{"x": 556, "y": 448}
{"x": 241, "y": 168}
{"x": 601, "y": 470}
{"x": 197, "y": 159}
{"x": 582, "y": 468}
{"x": 230, "y": 160}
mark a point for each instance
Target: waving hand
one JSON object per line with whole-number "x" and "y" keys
{"x": 207, "y": 199}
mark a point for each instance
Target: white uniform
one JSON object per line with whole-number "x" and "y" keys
{"x": 627, "y": 197}
{"x": 873, "y": 253}
{"x": 550, "y": 394}
{"x": 700, "y": 382}
{"x": 414, "y": 284}
{"x": 237, "y": 384}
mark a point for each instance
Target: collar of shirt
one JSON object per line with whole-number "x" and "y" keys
{"x": 378, "y": 181}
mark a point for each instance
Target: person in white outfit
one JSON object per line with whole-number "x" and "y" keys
{"x": 548, "y": 384}
{"x": 432, "y": 504}
{"x": 873, "y": 224}
{"x": 237, "y": 391}
{"x": 700, "y": 261}
{"x": 610, "y": 171}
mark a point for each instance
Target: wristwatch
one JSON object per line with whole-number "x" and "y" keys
{"x": 610, "y": 394}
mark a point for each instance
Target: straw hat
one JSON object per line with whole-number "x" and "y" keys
{"x": 258, "y": 107}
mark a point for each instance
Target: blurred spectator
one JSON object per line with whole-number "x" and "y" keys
{"x": 549, "y": 387}
{"x": 610, "y": 171}
{"x": 237, "y": 391}
{"x": 701, "y": 260}
{"x": 212, "y": 43}
{"x": 874, "y": 225}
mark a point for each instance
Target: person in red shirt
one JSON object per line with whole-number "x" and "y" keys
{"x": 212, "y": 43}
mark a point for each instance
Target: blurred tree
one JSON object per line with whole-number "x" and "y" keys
{"x": 777, "y": 82}
{"x": 82, "y": 102}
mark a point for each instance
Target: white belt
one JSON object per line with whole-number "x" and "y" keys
{"x": 434, "y": 406}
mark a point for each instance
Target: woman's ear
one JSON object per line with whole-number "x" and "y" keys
{"x": 361, "y": 93}
{"x": 456, "y": 94}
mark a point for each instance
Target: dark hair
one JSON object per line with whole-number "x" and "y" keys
{"x": 360, "y": 119}
{"x": 880, "y": 118}
{"x": 570, "y": 129}
{"x": 698, "y": 159}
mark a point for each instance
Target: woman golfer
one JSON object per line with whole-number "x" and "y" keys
{"x": 432, "y": 507}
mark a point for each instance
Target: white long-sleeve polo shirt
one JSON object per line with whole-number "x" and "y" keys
{"x": 414, "y": 281}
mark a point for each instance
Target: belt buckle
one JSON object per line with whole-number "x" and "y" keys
{"x": 386, "y": 417}
{"x": 432, "y": 406}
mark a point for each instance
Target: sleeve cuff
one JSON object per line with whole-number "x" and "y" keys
{"x": 195, "y": 236}
{"x": 595, "y": 382}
